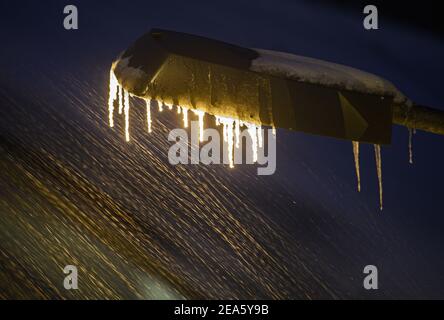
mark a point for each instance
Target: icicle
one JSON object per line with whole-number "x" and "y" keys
{"x": 222, "y": 121}
{"x": 237, "y": 132}
{"x": 228, "y": 136}
{"x": 252, "y": 132}
{"x": 225, "y": 131}
{"x": 120, "y": 97}
{"x": 259, "y": 136}
{"x": 178, "y": 109}
{"x": 230, "y": 139}
{"x": 126, "y": 112}
{"x": 356, "y": 157}
{"x": 160, "y": 105}
{"x": 169, "y": 105}
{"x": 148, "y": 114}
{"x": 113, "y": 88}
{"x": 410, "y": 146}
{"x": 201, "y": 115}
{"x": 273, "y": 130}
{"x": 185, "y": 117}
{"x": 379, "y": 171}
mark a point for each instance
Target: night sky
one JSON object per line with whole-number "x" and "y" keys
{"x": 208, "y": 232}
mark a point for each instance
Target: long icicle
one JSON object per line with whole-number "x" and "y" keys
{"x": 148, "y": 114}
{"x": 126, "y": 112}
{"x": 379, "y": 171}
{"x": 228, "y": 135}
{"x": 253, "y": 135}
{"x": 201, "y": 115}
{"x": 185, "y": 117}
{"x": 120, "y": 97}
{"x": 113, "y": 88}
{"x": 230, "y": 140}
{"x": 259, "y": 136}
{"x": 356, "y": 157}
{"x": 410, "y": 146}
{"x": 237, "y": 132}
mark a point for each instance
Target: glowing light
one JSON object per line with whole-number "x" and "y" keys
{"x": 178, "y": 109}
{"x": 356, "y": 158}
{"x": 148, "y": 114}
{"x": 160, "y": 104}
{"x": 113, "y": 88}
